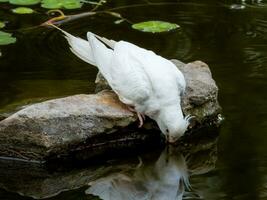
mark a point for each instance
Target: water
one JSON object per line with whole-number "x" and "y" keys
{"x": 229, "y": 36}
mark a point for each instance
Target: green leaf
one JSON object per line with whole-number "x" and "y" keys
{"x": 2, "y": 1}
{"x": 22, "y": 10}
{"x": 155, "y": 26}
{"x": 51, "y": 4}
{"x": 6, "y": 38}
{"x": 2, "y": 24}
{"x": 24, "y": 2}
{"x": 56, "y": 4}
{"x": 72, "y": 4}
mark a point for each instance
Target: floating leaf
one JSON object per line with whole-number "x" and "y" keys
{"x": 2, "y": 24}
{"x": 24, "y": 2}
{"x": 22, "y": 10}
{"x": 51, "y": 4}
{"x": 71, "y": 4}
{"x": 155, "y": 26}
{"x": 56, "y": 4}
{"x": 6, "y": 38}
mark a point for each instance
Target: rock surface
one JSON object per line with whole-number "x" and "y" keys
{"x": 52, "y": 126}
{"x": 59, "y": 126}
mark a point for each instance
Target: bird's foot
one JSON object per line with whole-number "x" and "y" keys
{"x": 188, "y": 120}
{"x": 140, "y": 116}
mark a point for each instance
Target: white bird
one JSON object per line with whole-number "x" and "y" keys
{"x": 147, "y": 82}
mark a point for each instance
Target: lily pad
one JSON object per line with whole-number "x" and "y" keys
{"x": 56, "y": 4}
{"x": 24, "y": 2}
{"x": 22, "y": 10}
{"x": 72, "y": 4}
{"x": 2, "y": 24}
{"x": 155, "y": 26}
{"x": 6, "y": 38}
{"x": 51, "y": 4}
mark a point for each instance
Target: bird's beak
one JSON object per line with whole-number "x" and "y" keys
{"x": 171, "y": 140}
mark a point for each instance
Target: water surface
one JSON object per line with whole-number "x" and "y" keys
{"x": 230, "y": 37}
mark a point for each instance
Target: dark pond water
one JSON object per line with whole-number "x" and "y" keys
{"x": 231, "y": 38}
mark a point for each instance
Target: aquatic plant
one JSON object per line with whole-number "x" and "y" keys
{"x": 2, "y": 24}
{"x": 6, "y": 38}
{"x": 22, "y": 10}
{"x": 24, "y": 2}
{"x": 155, "y": 26}
{"x": 57, "y": 4}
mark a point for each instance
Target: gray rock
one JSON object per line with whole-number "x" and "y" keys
{"x": 201, "y": 95}
{"x": 64, "y": 125}
{"x": 53, "y": 126}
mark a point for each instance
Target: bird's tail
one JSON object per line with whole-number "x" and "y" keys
{"x": 102, "y": 55}
{"x": 80, "y": 47}
{"x": 95, "y": 51}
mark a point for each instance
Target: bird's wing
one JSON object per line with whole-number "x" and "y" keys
{"x": 131, "y": 60}
{"x": 110, "y": 43}
{"x": 123, "y": 71}
{"x": 102, "y": 56}
{"x": 180, "y": 80}
{"x": 144, "y": 75}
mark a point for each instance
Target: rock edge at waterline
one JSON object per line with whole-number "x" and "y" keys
{"x": 61, "y": 126}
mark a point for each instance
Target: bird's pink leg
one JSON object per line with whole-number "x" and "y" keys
{"x": 140, "y": 116}
{"x": 141, "y": 121}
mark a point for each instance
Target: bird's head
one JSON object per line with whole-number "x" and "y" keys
{"x": 172, "y": 123}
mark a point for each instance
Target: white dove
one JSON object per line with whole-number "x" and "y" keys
{"x": 146, "y": 82}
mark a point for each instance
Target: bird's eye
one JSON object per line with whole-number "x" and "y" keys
{"x": 167, "y": 130}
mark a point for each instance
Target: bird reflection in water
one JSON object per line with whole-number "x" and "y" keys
{"x": 166, "y": 179}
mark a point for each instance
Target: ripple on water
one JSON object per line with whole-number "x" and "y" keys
{"x": 232, "y": 42}
{"x": 256, "y": 57}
